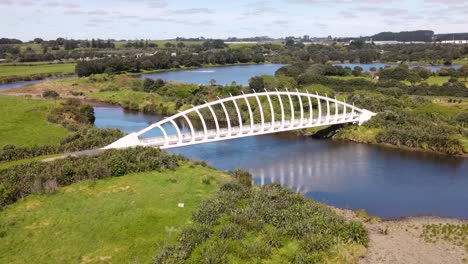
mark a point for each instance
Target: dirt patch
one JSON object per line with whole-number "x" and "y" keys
{"x": 401, "y": 241}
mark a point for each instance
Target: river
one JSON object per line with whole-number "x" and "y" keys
{"x": 21, "y": 84}
{"x": 223, "y": 75}
{"x": 385, "y": 182}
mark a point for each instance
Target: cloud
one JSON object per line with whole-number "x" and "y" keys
{"x": 16, "y": 2}
{"x": 61, "y": 5}
{"x": 260, "y": 8}
{"x": 445, "y": 2}
{"x": 156, "y": 3}
{"x": 347, "y": 14}
{"x": 98, "y": 12}
{"x": 383, "y": 11}
{"x": 100, "y": 20}
{"x": 190, "y": 11}
{"x": 340, "y": 1}
{"x": 179, "y": 21}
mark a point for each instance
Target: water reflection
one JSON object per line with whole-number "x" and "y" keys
{"x": 222, "y": 75}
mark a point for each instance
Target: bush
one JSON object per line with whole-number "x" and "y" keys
{"x": 83, "y": 139}
{"x": 19, "y": 181}
{"x": 150, "y": 85}
{"x": 242, "y": 176}
{"x": 248, "y": 223}
{"x": 50, "y": 94}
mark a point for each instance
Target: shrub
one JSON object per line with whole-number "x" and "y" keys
{"x": 86, "y": 138}
{"x": 248, "y": 223}
{"x": 50, "y": 94}
{"x": 242, "y": 176}
{"x": 19, "y": 181}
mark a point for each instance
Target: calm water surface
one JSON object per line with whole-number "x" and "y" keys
{"x": 222, "y": 75}
{"x": 385, "y": 182}
{"x": 21, "y": 84}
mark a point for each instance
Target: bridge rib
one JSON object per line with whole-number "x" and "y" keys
{"x": 336, "y": 110}
{"x": 205, "y": 130}
{"x": 301, "y": 107}
{"x": 192, "y": 130}
{"x": 179, "y": 135}
{"x": 215, "y": 120}
{"x": 250, "y": 114}
{"x": 166, "y": 140}
{"x": 239, "y": 115}
{"x": 319, "y": 109}
{"x": 272, "y": 111}
{"x": 292, "y": 109}
{"x": 344, "y": 110}
{"x": 327, "y": 119}
{"x": 311, "y": 109}
{"x": 282, "y": 109}
{"x": 262, "y": 119}
{"x": 227, "y": 117}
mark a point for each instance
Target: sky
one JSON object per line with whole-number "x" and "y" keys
{"x": 165, "y": 19}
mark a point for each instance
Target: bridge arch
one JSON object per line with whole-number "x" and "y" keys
{"x": 305, "y": 112}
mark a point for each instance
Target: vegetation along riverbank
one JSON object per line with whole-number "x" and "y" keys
{"x": 403, "y": 108}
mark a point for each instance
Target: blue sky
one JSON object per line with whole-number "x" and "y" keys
{"x": 161, "y": 19}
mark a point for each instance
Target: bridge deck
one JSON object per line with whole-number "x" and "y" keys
{"x": 199, "y": 136}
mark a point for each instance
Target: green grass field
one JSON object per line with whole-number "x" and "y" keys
{"x": 23, "y": 122}
{"x": 8, "y": 70}
{"x": 436, "y": 80}
{"x": 119, "y": 220}
{"x": 346, "y": 78}
{"x": 160, "y": 43}
{"x": 460, "y": 61}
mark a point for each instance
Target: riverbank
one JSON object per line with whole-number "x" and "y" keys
{"x": 153, "y": 104}
{"x": 20, "y": 73}
{"x": 66, "y": 222}
{"x": 424, "y": 239}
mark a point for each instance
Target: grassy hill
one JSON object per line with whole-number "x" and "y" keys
{"x": 31, "y": 69}
{"x": 118, "y": 220}
{"x": 23, "y": 122}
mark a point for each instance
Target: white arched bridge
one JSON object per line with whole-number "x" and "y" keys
{"x": 243, "y": 116}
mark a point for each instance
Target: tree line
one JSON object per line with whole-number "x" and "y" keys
{"x": 166, "y": 60}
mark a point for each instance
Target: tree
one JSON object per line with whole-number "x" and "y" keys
{"x": 181, "y": 45}
{"x": 257, "y": 83}
{"x": 50, "y": 94}
{"x": 38, "y": 40}
{"x": 60, "y": 41}
{"x": 213, "y": 82}
{"x": 413, "y": 78}
{"x": 289, "y": 42}
{"x": 464, "y": 71}
{"x": 422, "y": 72}
{"x": 357, "y": 44}
{"x": 357, "y": 71}
{"x": 150, "y": 85}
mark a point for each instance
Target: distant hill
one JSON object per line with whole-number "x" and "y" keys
{"x": 404, "y": 36}
{"x": 451, "y": 36}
